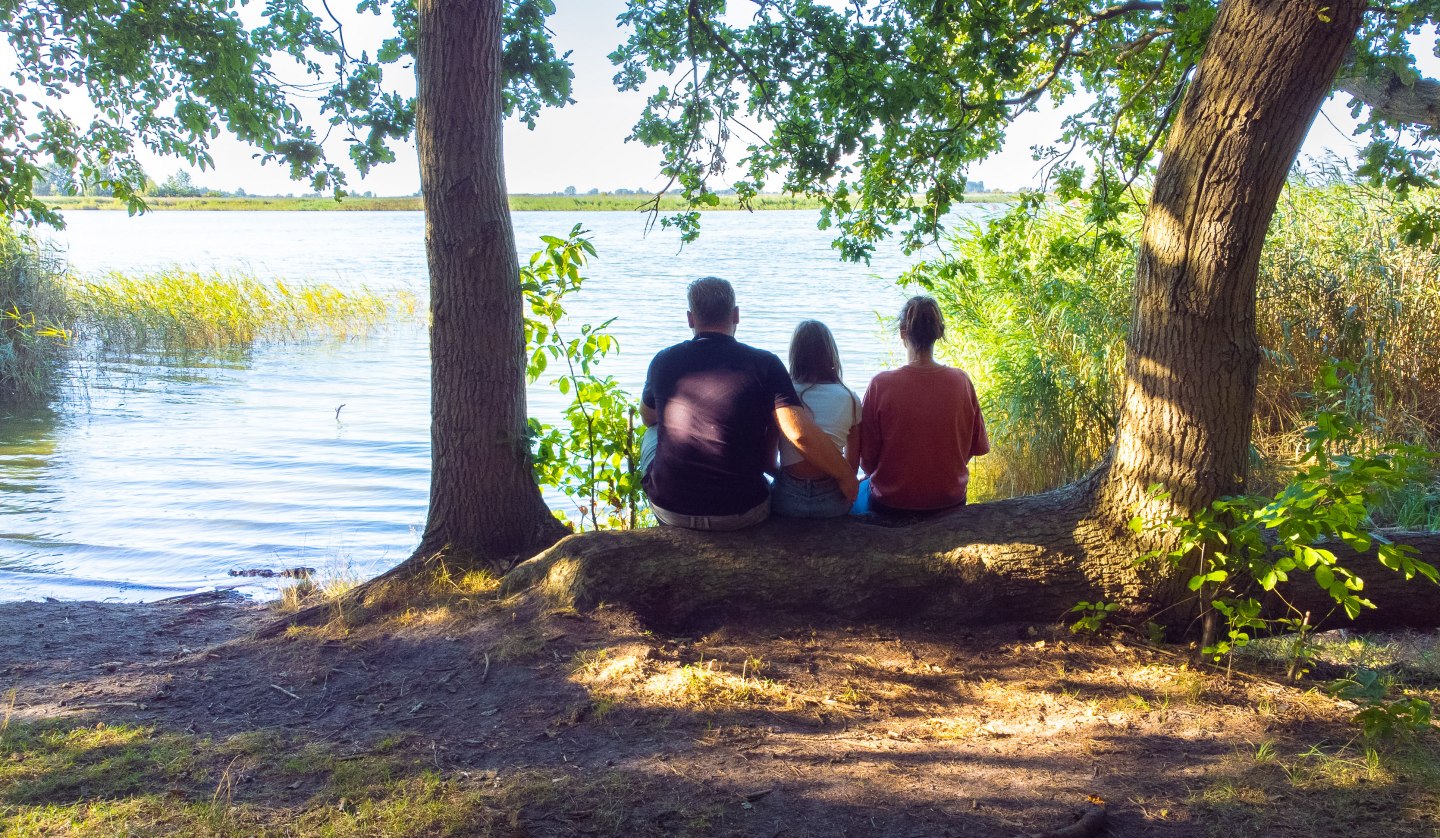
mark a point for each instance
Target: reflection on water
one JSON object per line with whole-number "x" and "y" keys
{"x": 159, "y": 474}
{"x": 27, "y": 448}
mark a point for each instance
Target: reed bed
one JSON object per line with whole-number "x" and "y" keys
{"x": 1039, "y": 307}
{"x": 178, "y": 309}
{"x": 34, "y": 313}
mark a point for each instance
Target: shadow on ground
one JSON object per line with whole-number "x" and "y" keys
{"x": 475, "y": 717}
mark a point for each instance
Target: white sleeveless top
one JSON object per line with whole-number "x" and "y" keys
{"x": 836, "y": 409}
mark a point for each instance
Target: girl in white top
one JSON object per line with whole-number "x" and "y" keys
{"x": 802, "y": 490}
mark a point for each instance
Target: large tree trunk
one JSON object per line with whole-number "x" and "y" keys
{"x": 1192, "y": 356}
{"x": 1185, "y": 423}
{"x": 484, "y": 505}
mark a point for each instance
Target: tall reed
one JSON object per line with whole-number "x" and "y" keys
{"x": 1039, "y": 305}
{"x": 34, "y": 313}
{"x": 1037, "y": 308}
{"x": 178, "y": 309}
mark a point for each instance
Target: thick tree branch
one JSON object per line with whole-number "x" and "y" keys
{"x": 1395, "y": 101}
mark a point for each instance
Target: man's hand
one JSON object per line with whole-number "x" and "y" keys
{"x": 817, "y": 448}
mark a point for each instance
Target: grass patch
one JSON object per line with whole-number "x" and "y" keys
{"x": 329, "y": 584}
{"x": 1345, "y": 790}
{"x": 58, "y": 778}
{"x": 177, "y": 309}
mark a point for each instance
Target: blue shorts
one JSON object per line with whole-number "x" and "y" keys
{"x": 796, "y": 497}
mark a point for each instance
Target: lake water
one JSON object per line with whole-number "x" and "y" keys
{"x": 153, "y": 478}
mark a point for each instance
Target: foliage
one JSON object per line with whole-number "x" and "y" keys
{"x": 1241, "y": 548}
{"x": 34, "y": 314}
{"x": 1039, "y": 301}
{"x": 1092, "y": 616}
{"x": 166, "y": 77}
{"x": 878, "y": 107}
{"x": 1338, "y": 280}
{"x": 592, "y": 456}
{"x": 1038, "y": 305}
{"x": 177, "y": 309}
{"x": 1377, "y": 716}
{"x": 179, "y": 185}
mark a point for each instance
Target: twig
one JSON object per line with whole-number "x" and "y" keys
{"x": 283, "y": 690}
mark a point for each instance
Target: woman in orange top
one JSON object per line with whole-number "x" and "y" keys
{"x": 921, "y": 423}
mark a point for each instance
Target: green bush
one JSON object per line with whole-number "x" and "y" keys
{"x": 33, "y": 315}
{"x": 1037, "y": 304}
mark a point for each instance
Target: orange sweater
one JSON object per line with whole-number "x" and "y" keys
{"x": 918, "y": 430}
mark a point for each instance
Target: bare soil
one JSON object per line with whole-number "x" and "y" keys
{"x": 594, "y": 725}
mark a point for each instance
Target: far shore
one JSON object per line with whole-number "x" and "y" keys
{"x": 600, "y": 202}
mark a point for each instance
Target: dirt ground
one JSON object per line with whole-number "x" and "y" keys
{"x": 507, "y": 722}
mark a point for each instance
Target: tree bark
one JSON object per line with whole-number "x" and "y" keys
{"x": 1417, "y": 103}
{"x": 484, "y": 505}
{"x": 1192, "y": 355}
{"x": 1024, "y": 559}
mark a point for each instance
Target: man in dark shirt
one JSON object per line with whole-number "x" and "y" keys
{"x": 712, "y": 405}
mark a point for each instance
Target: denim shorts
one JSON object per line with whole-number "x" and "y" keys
{"x": 796, "y": 497}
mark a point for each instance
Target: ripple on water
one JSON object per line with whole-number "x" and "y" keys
{"x": 159, "y": 473}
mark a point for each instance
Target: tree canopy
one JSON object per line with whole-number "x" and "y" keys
{"x": 878, "y": 107}
{"x": 95, "y": 83}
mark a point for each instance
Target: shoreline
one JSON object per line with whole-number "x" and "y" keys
{"x": 603, "y": 202}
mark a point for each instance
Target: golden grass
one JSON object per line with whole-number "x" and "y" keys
{"x": 186, "y": 310}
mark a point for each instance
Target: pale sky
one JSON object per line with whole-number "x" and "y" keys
{"x": 583, "y": 145}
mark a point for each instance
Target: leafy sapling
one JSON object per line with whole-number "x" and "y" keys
{"x": 1241, "y": 548}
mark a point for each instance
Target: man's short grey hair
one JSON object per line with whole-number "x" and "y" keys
{"x": 711, "y": 301}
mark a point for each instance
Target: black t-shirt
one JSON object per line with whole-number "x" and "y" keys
{"x": 716, "y": 400}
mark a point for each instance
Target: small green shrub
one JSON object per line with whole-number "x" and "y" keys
{"x": 592, "y": 456}
{"x": 1240, "y": 549}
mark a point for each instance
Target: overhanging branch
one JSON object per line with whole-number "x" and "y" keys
{"x": 1395, "y": 101}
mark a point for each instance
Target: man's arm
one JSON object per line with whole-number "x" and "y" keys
{"x": 648, "y": 415}
{"x": 816, "y": 447}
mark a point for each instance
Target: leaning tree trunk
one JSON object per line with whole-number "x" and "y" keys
{"x": 1185, "y": 421}
{"x": 484, "y": 505}
{"x": 1192, "y": 356}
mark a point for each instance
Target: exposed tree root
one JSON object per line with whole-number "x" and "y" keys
{"x": 1090, "y": 822}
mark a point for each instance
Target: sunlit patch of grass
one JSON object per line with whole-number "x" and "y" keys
{"x": 434, "y": 615}
{"x": 54, "y": 761}
{"x": 177, "y": 309}
{"x": 1325, "y": 791}
{"x": 706, "y": 684}
{"x": 329, "y": 583}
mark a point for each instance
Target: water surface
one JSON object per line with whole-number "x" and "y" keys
{"x": 155, "y": 475}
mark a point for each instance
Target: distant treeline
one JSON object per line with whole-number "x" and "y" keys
{"x": 604, "y": 201}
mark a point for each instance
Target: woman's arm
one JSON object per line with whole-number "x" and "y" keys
{"x": 852, "y": 447}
